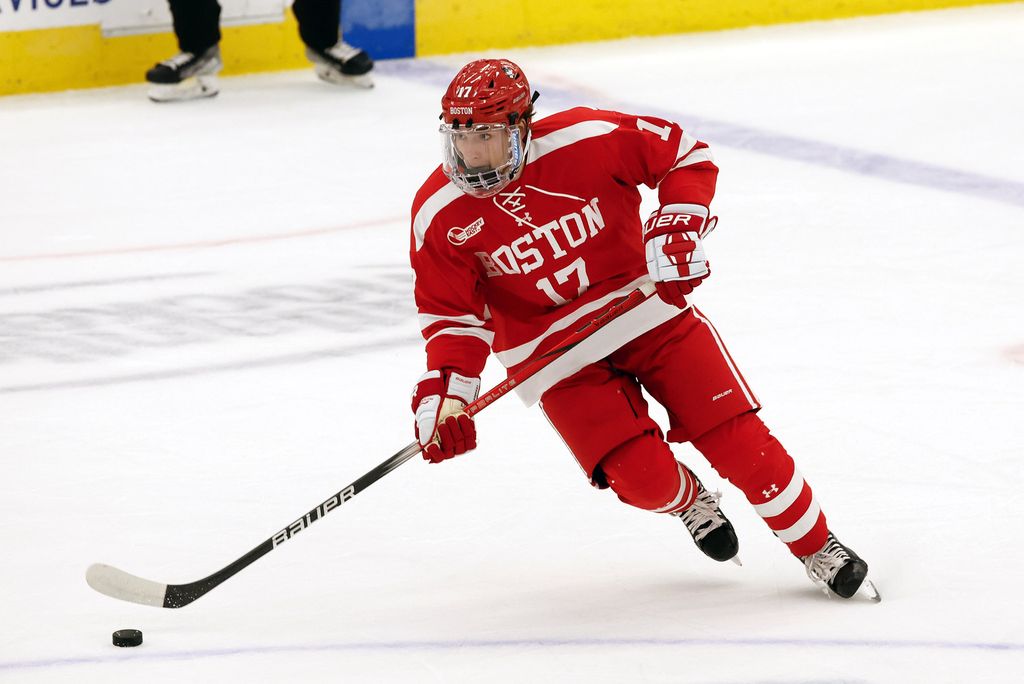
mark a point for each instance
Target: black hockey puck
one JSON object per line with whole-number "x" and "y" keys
{"x": 127, "y": 637}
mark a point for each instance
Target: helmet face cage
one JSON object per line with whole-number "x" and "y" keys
{"x": 480, "y": 160}
{"x": 485, "y": 131}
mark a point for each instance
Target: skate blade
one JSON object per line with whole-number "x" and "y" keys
{"x": 869, "y": 590}
{"x": 866, "y": 590}
{"x": 329, "y": 75}
{"x": 192, "y": 88}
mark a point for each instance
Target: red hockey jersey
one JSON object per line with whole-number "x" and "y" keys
{"x": 512, "y": 273}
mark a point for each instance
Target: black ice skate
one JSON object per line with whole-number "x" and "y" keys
{"x": 186, "y": 76}
{"x": 342, "y": 64}
{"x": 710, "y": 529}
{"x": 839, "y": 571}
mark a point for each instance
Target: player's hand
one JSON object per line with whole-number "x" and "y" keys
{"x": 675, "y": 252}
{"x": 443, "y": 428}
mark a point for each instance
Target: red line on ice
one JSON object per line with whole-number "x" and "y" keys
{"x": 204, "y": 244}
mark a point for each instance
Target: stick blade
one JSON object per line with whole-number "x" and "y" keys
{"x": 106, "y": 579}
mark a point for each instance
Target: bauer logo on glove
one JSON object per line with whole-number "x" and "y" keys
{"x": 682, "y": 221}
{"x": 675, "y": 252}
{"x": 443, "y": 427}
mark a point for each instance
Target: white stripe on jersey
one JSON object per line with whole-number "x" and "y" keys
{"x": 485, "y": 335}
{"x": 516, "y": 355}
{"x": 435, "y": 203}
{"x": 701, "y": 155}
{"x": 605, "y": 341}
{"x": 427, "y": 320}
{"x": 569, "y": 135}
{"x": 556, "y": 194}
{"x": 686, "y": 143}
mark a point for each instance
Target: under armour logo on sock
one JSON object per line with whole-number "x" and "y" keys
{"x": 768, "y": 492}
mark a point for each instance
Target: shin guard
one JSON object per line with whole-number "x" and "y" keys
{"x": 744, "y": 452}
{"x": 644, "y": 473}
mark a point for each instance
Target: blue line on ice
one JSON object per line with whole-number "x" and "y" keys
{"x": 137, "y": 656}
{"x": 722, "y": 133}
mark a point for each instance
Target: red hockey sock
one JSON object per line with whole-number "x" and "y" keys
{"x": 644, "y": 473}
{"x": 744, "y": 452}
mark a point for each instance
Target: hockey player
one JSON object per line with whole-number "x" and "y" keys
{"x": 529, "y": 228}
{"x": 192, "y": 73}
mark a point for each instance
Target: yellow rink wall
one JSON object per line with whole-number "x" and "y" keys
{"x": 80, "y": 56}
{"x": 444, "y": 26}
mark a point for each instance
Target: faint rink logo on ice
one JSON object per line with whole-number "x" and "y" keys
{"x": 84, "y": 334}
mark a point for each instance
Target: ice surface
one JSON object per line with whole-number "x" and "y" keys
{"x": 205, "y": 330}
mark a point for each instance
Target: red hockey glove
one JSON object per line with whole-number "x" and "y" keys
{"x": 443, "y": 428}
{"x": 675, "y": 253}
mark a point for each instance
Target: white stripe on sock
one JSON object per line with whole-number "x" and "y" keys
{"x": 784, "y": 500}
{"x": 684, "y": 491}
{"x": 802, "y": 526}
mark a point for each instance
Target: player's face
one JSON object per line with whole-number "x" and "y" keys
{"x": 482, "y": 159}
{"x": 482, "y": 149}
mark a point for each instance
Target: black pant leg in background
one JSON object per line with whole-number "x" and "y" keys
{"x": 196, "y": 24}
{"x": 318, "y": 22}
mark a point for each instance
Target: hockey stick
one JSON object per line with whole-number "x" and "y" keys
{"x": 119, "y": 584}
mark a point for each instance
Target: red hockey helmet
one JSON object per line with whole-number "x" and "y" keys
{"x": 487, "y": 91}
{"x": 484, "y": 132}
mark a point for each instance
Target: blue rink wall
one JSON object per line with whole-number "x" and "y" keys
{"x": 385, "y": 28}
{"x": 48, "y": 45}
